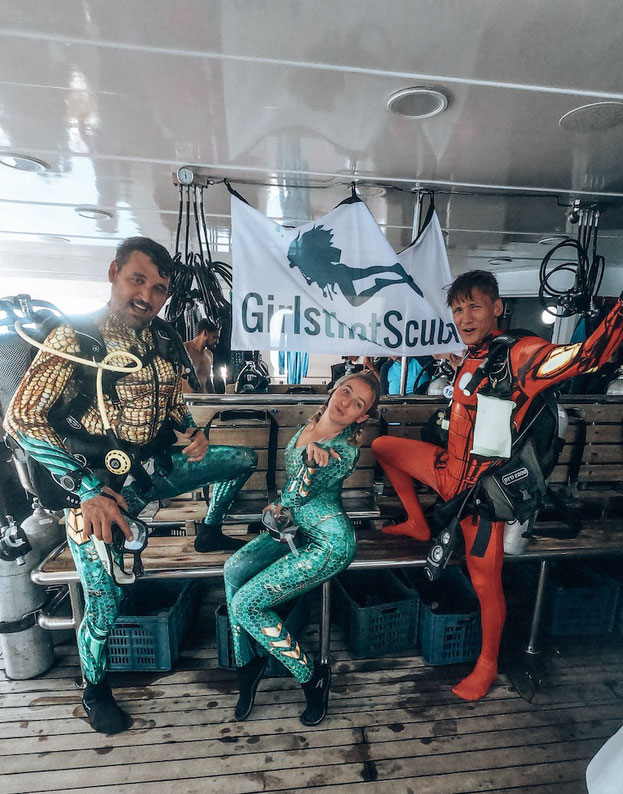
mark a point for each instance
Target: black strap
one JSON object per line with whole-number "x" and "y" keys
{"x": 483, "y": 536}
{"x": 15, "y": 626}
{"x": 230, "y": 415}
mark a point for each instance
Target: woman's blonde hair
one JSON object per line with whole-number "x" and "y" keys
{"x": 375, "y": 388}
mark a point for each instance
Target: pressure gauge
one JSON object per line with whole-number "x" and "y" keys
{"x": 185, "y": 176}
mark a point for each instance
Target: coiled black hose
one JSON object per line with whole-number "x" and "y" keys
{"x": 588, "y": 270}
{"x": 197, "y": 280}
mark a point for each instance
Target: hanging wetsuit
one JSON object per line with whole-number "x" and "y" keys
{"x": 265, "y": 573}
{"x": 535, "y": 365}
{"x": 144, "y": 401}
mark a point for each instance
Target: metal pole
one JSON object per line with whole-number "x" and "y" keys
{"x": 532, "y": 648}
{"x": 325, "y": 621}
{"x": 77, "y": 611}
{"x": 417, "y": 216}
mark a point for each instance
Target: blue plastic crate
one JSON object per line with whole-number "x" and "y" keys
{"x": 378, "y": 612}
{"x": 297, "y": 618}
{"x": 449, "y": 617}
{"x": 579, "y": 600}
{"x": 154, "y": 617}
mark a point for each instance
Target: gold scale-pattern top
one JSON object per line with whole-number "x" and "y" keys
{"x": 146, "y": 397}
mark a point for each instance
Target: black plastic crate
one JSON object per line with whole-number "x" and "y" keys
{"x": 297, "y": 616}
{"x": 450, "y": 630}
{"x": 154, "y": 618}
{"x": 378, "y": 612}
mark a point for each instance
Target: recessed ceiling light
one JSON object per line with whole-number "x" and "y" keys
{"x": 500, "y": 260}
{"x": 370, "y": 191}
{"x": 418, "y": 102}
{"x": 554, "y": 239}
{"x": 23, "y": 162}
{"x": 93, "y": 213}
{"x": 592, "y": 118}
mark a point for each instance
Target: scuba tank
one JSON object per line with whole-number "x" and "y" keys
{"x": 616, "y": 385}
{"x": 442, "y": 376}
{"x": 518, "y": 533}
{"x": 26, "y": 648}
{"x": 43, "y": 529}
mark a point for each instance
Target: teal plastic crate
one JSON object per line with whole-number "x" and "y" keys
{"x": 579, "y": 599}
{"x": 449, "y": 617}
{"x": 154, "y": 617}
{"x": 297, "y": 615}
{"x": 614, "y": 570}
{"x": 378, "y": 612}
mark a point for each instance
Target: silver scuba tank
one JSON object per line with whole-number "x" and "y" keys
{"x": 436, "y": 387}
{"x": 43, "y": 529}
{"x": 515, "y": 533}
{"x": 616, "y": 385}
{"x": 26, "y": 648}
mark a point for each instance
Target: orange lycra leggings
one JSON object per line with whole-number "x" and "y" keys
{"x": 406, "y": 460}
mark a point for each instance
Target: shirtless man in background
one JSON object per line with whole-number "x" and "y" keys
{"x": 200, "y": 351}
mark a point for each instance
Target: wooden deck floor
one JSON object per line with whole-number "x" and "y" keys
{"x": 393, "y": 726}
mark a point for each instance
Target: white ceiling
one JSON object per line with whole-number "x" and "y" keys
{"x": 115, "y": 95}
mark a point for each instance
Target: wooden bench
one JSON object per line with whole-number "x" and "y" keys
{"x": 592, "y": 463}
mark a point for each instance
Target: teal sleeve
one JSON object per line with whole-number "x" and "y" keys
{"x": 309, "y": 483}
{"x": 59, "y": 462}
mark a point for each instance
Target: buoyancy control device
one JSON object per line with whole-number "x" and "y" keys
{"x": 26, "y": 323}
{"x": 512, "y": 488}
{"x": 254, "y": 377}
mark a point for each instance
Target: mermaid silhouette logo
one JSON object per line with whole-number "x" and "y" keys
{"x": 314, "y": 254}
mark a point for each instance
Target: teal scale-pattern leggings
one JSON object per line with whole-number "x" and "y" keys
{"x": 227, "y": 468}
{"x": 264, "y": 574}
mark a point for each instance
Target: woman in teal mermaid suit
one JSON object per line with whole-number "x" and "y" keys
{"x": 265, "y": 573}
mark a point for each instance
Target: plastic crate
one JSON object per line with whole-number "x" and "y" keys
{"x": 379, "y": 614}
{"x": 612, "y": 569}
{"x": 154, "y": 617}
{"x": 449, "y": 617}
{"x": 579, "y": 599}
{"x": 297, "y": 616}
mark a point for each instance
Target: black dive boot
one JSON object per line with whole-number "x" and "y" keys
{"x": 103, "y": 713}
{"x": 249, "y": 677}
{"x": 210, "y": 538}
{"x": 317, "y": 694}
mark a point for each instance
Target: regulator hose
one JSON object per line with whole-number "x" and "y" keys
{"x": 588, "y": 270}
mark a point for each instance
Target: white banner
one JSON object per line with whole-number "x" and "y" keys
{"x": 335, "y": 285}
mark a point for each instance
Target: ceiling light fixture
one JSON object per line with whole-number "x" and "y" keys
{"x": 500, "y": 260}
{"x": 93, "y": 213}
{"x": 592, "y": 118}
{"x": 418, "y": 102}
{"x": 23, "y": 162}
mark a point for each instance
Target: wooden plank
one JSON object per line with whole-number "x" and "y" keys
{"x": 601, "y": 473}
{"x": 178, "y": 553}
{"x": 604, "y": 434}
{"x": 563, "y": 777}
{"x": 222, "y": 775}
{"x": 196, "y": 746}
{"x": 487, "y": 759}
{"x": 597, "y": 412}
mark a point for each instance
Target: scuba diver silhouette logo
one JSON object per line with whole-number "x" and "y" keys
{"x": 314, "y": 254}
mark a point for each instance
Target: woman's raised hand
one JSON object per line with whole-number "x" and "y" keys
{"x": 318, "y": 456}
